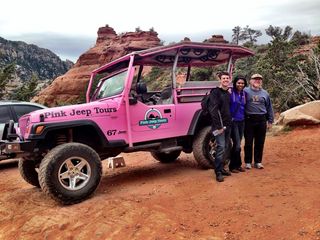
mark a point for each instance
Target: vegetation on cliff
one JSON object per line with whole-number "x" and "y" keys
{"x": 23, "y": 64}
{"x": 291, "y": 76}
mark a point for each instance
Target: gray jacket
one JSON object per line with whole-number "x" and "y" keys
{"x": 258, "y": 103}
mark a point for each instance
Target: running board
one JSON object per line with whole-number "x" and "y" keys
{"x": 170, "y": 149}
{"x": 152, "y": 147}
{"x": 144, "y": 147}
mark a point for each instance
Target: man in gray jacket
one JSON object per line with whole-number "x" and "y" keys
{"x": 259, "y": 117}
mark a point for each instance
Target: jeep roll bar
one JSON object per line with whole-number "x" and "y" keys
{"x": 192, "y": 54}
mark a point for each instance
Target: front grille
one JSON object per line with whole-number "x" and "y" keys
{"x": 23, "y": 122}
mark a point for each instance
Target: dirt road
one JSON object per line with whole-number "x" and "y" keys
{"x": 149, "y": 200}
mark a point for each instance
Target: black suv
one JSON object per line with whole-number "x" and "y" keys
{"x": 13, "y": 110}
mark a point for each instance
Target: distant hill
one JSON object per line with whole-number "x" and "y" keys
{"x": 31, "y": 59}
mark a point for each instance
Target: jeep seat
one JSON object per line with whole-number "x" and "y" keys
{"x": 166, "y": 96}
{"x": 141, "y": 89}
{"x": 194, "y": 91}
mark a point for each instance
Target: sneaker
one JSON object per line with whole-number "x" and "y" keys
{"x": 259, "y": 165}
{"x": 241, "y": 169}
{"x": 219, "y": 177}
{"x": 248, "y": 165}
{"x": 234, "y": 170}
{"x": 225, "y": 172}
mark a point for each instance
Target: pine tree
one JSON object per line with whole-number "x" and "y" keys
{"x": 26, "y": 91}
{"x": 251, "y": 35}
{"x": 236, "y": 35}
{"x": 5, "y": 75}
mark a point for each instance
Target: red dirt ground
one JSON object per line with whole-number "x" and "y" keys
{"x": 149, "y": 200}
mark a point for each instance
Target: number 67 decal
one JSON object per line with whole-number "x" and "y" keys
{"x": 111, "y": 132}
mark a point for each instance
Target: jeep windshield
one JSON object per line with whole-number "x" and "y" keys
{"x": 111, "y": 86}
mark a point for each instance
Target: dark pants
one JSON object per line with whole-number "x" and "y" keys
{"x": 254, "y": 134}
{"x": 223, "y": 141}
{"x": 236, "y": 136}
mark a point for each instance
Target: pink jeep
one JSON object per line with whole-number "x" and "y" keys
{"x": 145, "y": 101}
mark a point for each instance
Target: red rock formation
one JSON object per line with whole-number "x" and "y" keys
{"x": 186, "y": 39}
{"x": 216, "y": 39}
{"x": 305, "y": 49}
{"x": 71, "y": 86}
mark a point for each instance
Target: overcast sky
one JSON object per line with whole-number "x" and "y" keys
{"x": 69, "y": 28}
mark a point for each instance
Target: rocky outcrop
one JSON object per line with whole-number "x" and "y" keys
{"x": 31, "y": 59}
{"x": 305, "y": 49}
{"x": 216, "y": 39}
{"x": 306, "y": 114}
{"x": 71, "y": 86}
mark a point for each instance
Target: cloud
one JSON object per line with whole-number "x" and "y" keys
{"x": 74, "y": 32}
{"x": 301, "y": 15}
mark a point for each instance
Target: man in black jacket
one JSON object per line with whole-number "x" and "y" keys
{"x": 219, "y": 109}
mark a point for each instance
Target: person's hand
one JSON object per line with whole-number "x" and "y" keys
{"x": 218, "y": 132}
{"x": 269, "y": 126}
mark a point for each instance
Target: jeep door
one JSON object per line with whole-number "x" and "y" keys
{"x": 153, "y": 116}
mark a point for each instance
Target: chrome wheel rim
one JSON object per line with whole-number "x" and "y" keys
{"x": 74, "y": 173}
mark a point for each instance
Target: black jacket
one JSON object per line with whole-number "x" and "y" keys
{"x": 219, "y": 102}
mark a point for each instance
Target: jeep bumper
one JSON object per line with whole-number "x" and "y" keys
{"x": 16, "y": 147}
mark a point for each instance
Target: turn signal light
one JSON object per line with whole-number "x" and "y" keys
{"x": 39, "y": 129}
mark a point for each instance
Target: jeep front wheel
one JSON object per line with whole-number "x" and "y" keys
{"x": 204, "y": 148}
{"x": 28, "y": 172}
{"x": 166, "y": 157}
{"x": 70, "y": 172}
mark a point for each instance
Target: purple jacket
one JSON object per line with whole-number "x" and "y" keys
{"x": 237, "y": 105}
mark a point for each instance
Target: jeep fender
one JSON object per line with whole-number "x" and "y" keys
{"x": 199, "y": 121}
{"x": 53, "y": 126}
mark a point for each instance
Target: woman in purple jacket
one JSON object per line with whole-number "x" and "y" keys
{"x": 237, "y": 109}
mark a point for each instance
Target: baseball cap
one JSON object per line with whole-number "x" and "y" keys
{"x": 256, "y": 76}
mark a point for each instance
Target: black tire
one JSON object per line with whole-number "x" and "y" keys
{"x": 27, "y": 169}
{"x": 70, "y": 173}
{"x": 204, "y": 148}
{"x": 165, "y": 157}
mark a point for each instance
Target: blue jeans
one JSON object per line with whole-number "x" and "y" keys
{"x": 222, "y": 141}
{"x": 236, "y": 136}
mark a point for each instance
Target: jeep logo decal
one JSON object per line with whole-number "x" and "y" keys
{"x": 153, "y": 119}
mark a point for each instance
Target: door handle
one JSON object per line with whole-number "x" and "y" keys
{"x": 167, "y": 110}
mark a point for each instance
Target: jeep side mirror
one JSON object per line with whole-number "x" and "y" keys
{"x": 133, "y": 100}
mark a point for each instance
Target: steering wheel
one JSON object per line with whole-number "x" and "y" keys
{"x": 154, "y": 98}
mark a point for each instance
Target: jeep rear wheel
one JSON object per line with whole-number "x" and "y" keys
{"x": 166, "y": 157}
{"x": 70, "y": 172}
{"x": 28, "y": 172}
{"x": 204, "y": 148}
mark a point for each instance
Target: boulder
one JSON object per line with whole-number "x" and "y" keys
{"x": 306, "y": 114}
